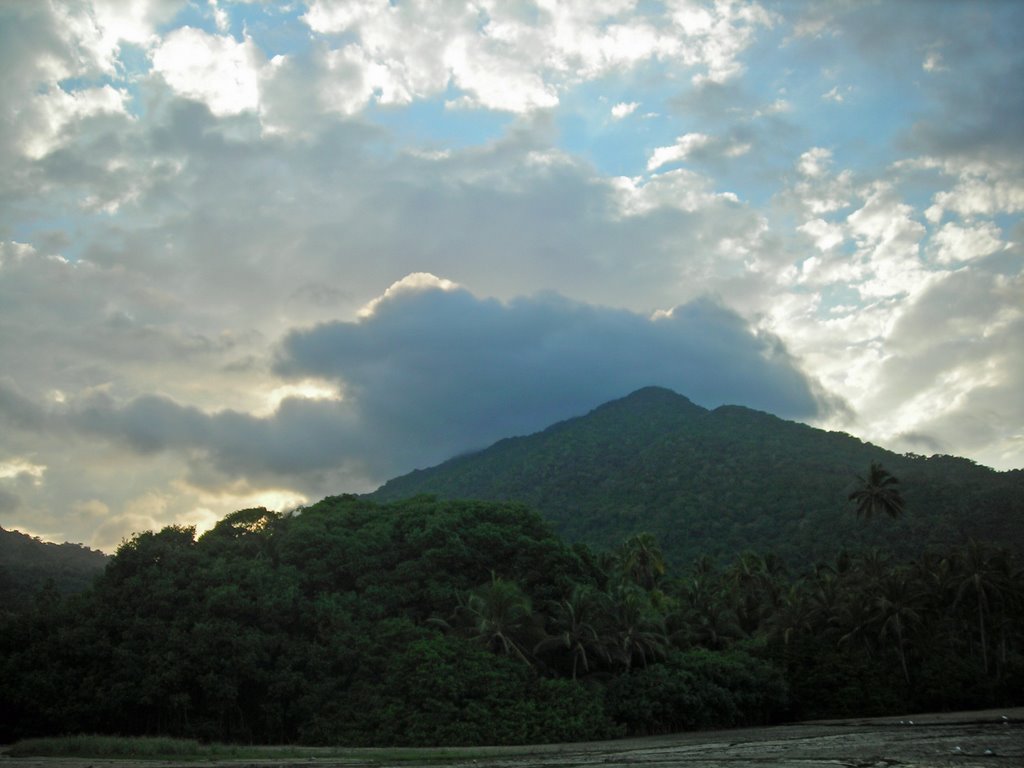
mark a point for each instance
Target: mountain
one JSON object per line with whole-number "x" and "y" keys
{"x": 28, "y": 564}
{"x": 721, "y": 481}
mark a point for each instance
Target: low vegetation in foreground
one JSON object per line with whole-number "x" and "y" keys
{"x": 167, "y": 748}
{"x": 139, "y": 747}
{"x": 428, "y": 622}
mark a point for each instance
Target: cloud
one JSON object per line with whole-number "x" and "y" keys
{"x": 716, "y": 35}
{"x": 955, "y": 366}
{"x": 682, "y": 149}
{"x": 815, "y": 162}
{"x": 518, "y": 57}
{"x": 20, "y": 467}
{"x": 954, "y": 243}
{"x": 889, "y": 238}
{"x": 835, "y": 94}
{"x": 428, "y": 371}
{"x": 826, "y": 235}
{"x": 214, "y": 69}
{"x": 19, "y": 411}
{"x": 167, "y": 219}
{"x": 434, "y": 370}
{"x": 624, "y": 109}
{"x": 9, "y": 502}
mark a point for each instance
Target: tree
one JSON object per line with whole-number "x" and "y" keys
{"x": 754, "y": 589}
{"x": 500, "y": 615}
{"x": 642, "y": 561}
{"x": 981, "y": 576}
{"x": 637, "y": 628}
{"x": 877, "y": 494}
{"x": 896, "y": 610}
{"x": 575, "y": 622}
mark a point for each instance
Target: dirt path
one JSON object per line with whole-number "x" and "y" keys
{"x": 989, "y": 739}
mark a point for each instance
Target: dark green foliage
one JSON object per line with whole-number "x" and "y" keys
{"x": 436, "y": 622}
{"x": 724, "y": 481}
{"x": 424, "y": 688}
{"x": 698, "y": 689}
{"x": 317, "y": 627}
{"x": 28, "y": 565}
{"x": 878, "y": 494}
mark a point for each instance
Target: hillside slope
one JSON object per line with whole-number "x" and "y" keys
{"x": 28, "y": 564}
{"x": 721, "y": 481}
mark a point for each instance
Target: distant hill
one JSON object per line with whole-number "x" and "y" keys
{"x": 28, "y": 564}
{"x": 722, "y": 481}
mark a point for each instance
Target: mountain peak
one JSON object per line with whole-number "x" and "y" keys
{"x": 659, "y": 395}
{"x": 653, "y": 399}
{"x": 718, "y": 482}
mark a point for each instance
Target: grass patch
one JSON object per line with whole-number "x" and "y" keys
{"x": 154, "y": 748}
{"x": 166, "y": 748}
{"x": 107, "y": 746}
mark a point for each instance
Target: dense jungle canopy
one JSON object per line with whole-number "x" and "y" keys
{"x": 428, "y": 621}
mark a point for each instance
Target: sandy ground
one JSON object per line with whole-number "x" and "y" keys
{"x": 963, "y": 739}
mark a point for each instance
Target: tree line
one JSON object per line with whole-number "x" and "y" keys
{"x": 457, "y": 622}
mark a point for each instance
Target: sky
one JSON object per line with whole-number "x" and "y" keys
{"x": 257, "y": 253}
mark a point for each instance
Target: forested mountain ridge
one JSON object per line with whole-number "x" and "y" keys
{"x": 28, "y": 564}
{"x": 722, "y": 481}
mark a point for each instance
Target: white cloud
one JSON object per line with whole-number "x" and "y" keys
{"x": 954, "y": 243}
{"x": 714, "y": 36}
{"x": 982, "y": 187}
{"x": 220, "y": 17}
{"x": 517, "y": 58}
{"x": 680, "y": 189}
{"x": 825, "y": 234}
{"x": 778, "y": 107}
{"x": 56, "y": 110}
{"x": 933, "y": 62}
{"x": 889, "y": 238}
{"x": 696, "y": 145}
{"x": 20, "y": 467}
{"x": 956, "y": 366}
{"x": 328, "y": 17}
{"x": 494, "y": 81}
{"x": 417, "y": 282}
{"x": 682, "y": 149}
{"x": 624, "y": 108}
{"x": 354, "y": 80}
{"x": 815, "y": 162}
{"x": 983, "y": 195}
{"x": 836, "y": 95}
{"x": 217, "y": 70}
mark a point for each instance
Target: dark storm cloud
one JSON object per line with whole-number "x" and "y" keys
{"x": 8, "y": 501}
{"x": 432, "y": 373}
{"x": 302, "y": 436}
{"x": 435, "y": 372}
{"x": 17, "y": 410}
{"x": 979, "y": 116}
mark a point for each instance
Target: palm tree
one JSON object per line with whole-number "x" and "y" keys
{"x": 877, "y": 494}
{"x": 755, "y": 589}
{"x": 575, "y": 622}
{"x": 703, "y": 617}
{"x": 981, "y": 576}
{"x": 825, "y": 596}
{"x": 897, "y": 610}
{"x": 642, "y": 561}
{"x": 638, "y": 630}
{"x": 794, "y": 616}
{"x": 500, "y": 615}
